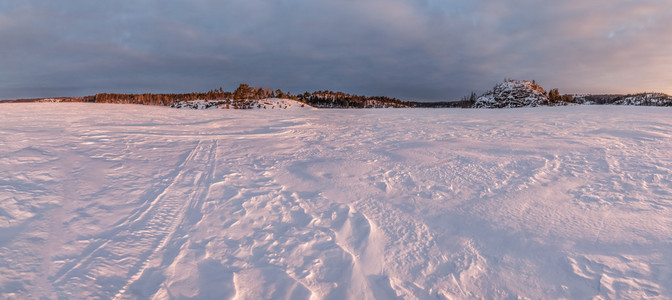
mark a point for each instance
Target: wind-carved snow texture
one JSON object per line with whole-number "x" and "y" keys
{"x": 137, "y": 202}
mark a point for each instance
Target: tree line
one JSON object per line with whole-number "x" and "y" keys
{"x": 238, "y": 99}
{"x": 245, "y": 95}
{"x": 330, "y": 99}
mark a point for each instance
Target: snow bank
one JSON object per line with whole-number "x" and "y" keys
{"x": 131, "y": 201}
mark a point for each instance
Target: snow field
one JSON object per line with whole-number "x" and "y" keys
{"x": 129, "y": 201}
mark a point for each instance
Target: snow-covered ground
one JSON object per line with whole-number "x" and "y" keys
{"x": 133, "y": 201}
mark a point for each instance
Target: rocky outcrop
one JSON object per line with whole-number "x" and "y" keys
{"x": 513, "y": 93}
{"x": 645, "y": 99}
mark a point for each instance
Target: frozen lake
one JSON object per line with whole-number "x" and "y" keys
{"x": 133, "y": 201}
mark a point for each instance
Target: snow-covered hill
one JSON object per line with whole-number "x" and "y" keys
{"x": 513, "y": 93}
{"x": 144, "y": 202}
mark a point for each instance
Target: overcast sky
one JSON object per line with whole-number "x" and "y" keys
{"x": 413, "y": 50}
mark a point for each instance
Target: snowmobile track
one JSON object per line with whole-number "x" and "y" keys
{"x": 129, "y": 247}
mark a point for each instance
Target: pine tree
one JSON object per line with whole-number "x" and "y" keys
{"x": 554, "y": 95}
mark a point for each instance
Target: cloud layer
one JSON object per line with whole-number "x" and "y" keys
{"x": 414, "y": 50}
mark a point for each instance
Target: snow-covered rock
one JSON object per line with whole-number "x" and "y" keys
{"x": 645, "y": 99}
{"x": 513, "y": 93}
{"x": 269, "y": 103}
{"x": 198, "y": 104}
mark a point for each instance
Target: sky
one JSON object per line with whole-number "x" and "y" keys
{"x": 423, "y": 50}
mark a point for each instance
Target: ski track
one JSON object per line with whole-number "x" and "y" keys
{"x": 154, "y": 203}
{"x": 128, "y": 247}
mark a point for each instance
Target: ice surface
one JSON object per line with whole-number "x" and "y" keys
{"x": 130, "y": 201}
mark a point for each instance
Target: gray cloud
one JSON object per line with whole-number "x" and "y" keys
{"x": 416, "y": 50}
